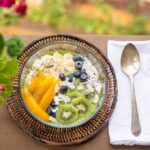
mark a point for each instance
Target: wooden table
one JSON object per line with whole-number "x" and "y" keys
{"x": 12, "y": 138}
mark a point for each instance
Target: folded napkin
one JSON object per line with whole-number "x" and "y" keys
{"x": 120, "y": 121}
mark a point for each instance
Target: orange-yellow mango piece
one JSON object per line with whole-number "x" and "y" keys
{"x": 40, "y": 113}
{"x": 28, "y": 100}
{"x": 41, "y": 74}
{"x": 49, "y": 95}
{"x": 33, "y": 106}
{"x": 34, "y": 83}
{"x": 42, "y": 88}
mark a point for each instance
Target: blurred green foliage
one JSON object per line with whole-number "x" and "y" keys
{"x": 52, "y": 12}
{"x": 9, "y": 50}
{"x": 7, "y": 17}
{"x": 59, "y": 14}
{"x": 55, "y": 12}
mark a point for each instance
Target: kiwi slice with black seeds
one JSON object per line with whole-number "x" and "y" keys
{"x": 67, "y": 114}
{"x": 74, "y": 94}
{"x": 85, "y": 107}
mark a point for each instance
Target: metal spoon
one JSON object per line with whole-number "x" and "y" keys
{"x": 130, "y": 63}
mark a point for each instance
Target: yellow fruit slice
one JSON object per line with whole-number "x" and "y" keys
{"x": 40, "y": 113}
{"x": 42, "y": 88}
{"x": 33, "y": 106}
{"x": 49, "y": 95}
{"x": 41, "y": 74}
{"x": 34, "y": 83}
{"x": 29, "y": 101}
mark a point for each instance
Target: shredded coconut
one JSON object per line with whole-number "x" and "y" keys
{"x": 80, "y": 87}
{"x": 98, "y": 87}
{"x": 47, "y": 60}
{"x": 96, "y": 99}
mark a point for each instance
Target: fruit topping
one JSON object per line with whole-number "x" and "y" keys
{"x": 77, "y": 58}
{"x": 78, "y": 65}
{"x": 77, "y": 74}
{"x": 83, "y": 77}
{"x": 67, "y": 114}
{"x": 43, "y": 87}
{"x": 49, "y": 95}
{"x": 33, "y": 106}
{"x": 70, "y": 78}
{"x": 84, "y": 106}
{"x": 63, "y": 89}
{"x": 62, "y": 76}
{"x": 50, "y": 111}
{"x": 53, "y": 104}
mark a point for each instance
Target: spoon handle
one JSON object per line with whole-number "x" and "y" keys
{"x": 136, "y": 127}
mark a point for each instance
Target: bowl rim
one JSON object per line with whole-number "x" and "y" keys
{"x": 71, "y": 37}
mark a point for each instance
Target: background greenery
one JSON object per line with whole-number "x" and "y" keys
{"x": 9, "y": 50}
{"x": 77, "y": 17}
{"x": 61, "y": 14}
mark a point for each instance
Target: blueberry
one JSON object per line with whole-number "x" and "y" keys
{"x": 83, "y": 71}
{"x": 53, "y": 105}
{"x": 78, "y": 65}
{"x": 54, "y": 115}
{"x": 83, "y": 77}
{"x": 63, "y": 89}
{"x": 77, "y": 74}
{"x": 70, "y": 78}
{"x": 77, "y": 58}
{"x": 62, "y": 76}
{"x": 50, "y": 111}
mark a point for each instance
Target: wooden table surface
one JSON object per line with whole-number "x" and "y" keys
{"x": 12, "y": 138}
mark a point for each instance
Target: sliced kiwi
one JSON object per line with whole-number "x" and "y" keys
{"x": 85, "y": 107}
{"x": 74, "y": 94}
{"x": 77, "y": 82}
{"x": 67, "y": 114}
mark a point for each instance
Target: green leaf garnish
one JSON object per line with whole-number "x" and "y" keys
{"x": 6, "y": 81}
{"x": 8, "y": 65}
{"x": 11, "y": 68}
{"x": 2, "y": 44}
{"x": 3, "y": 63}
{"x": 14, "y": 46}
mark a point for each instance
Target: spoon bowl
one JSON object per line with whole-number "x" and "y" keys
{"x": 130, "y": 60}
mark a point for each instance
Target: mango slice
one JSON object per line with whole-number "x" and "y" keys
{"x": 29, "y": 100}
{"x": 41, "y": 74}
{"x": 49, "y": 95}
{"x": 34, "y": 83}
{"x": 33, "y": 106}
{"x": 42, "y": 88}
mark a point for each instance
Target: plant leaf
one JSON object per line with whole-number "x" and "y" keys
{"x": 11, "y": 68}
{"x": 14, "y": 46}
{"x": 6, "y": 81}
{"x": 2, "y": 43}
{"x": 3, "y": 63}
{"x": 13, "y": 51}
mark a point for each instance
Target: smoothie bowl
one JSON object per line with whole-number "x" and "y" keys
{"x": 63, "y": 84}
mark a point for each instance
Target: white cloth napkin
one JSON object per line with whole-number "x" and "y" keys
{"x": 120, "y": 121}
